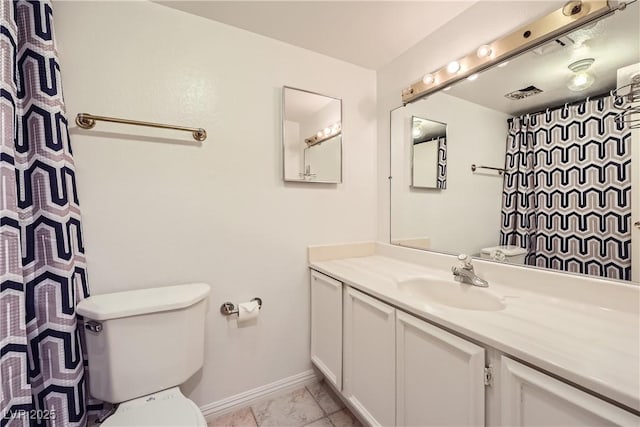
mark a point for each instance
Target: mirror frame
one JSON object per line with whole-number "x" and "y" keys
{"x": 282, "y": 128}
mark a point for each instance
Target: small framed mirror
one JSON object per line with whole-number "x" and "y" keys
{"x": 311, "y": 137}
{"x": 428, "y": 153}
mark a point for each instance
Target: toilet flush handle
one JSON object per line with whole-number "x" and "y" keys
{"x": 93, "y": 326}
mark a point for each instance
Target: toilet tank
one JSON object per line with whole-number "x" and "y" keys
{"x": 506, "y": 253}
{"x": 143, "y": 341}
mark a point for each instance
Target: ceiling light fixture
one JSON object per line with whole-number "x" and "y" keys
{"x": 581, "y": 81}
{"x": 484, "y": 51}
{"x": 428, "y": 79}
{"x": 544, "y": 30}
{"x": 453, "y": 67}
{"x": 581, "y": 78}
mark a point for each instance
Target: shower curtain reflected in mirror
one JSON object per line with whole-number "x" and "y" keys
{"x": 42, "y": 264}
{"x": 567, "y": 188}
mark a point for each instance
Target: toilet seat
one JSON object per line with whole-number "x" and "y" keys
{"x": 165, "y": 408}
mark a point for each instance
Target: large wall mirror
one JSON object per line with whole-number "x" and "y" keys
{"x": 540, "y": 171}
{"x": 311, "y": 136}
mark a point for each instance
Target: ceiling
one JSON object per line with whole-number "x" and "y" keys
{"x": 366, "y": 33}
{"x": 613, "y": 42}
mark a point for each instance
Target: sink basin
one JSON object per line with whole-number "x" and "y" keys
{"x": 452, "y": 294}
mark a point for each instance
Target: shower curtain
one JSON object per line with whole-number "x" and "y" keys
{"x": 567, "y": 188}
{"x": 442, "y": 163}
{"x": 42, "y": 264}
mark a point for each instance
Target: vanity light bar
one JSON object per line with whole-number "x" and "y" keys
{"x": 324, "y": 134}
{"x": 574, "y": 14}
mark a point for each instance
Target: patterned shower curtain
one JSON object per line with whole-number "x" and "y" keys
{"x": 442, "y": 163}
{"x": 567, "y": 189}
{"x": 42, "y": 264}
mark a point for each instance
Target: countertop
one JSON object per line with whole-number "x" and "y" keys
{"x": 595, "y": 347}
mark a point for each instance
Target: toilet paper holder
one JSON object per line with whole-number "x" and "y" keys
{"x": 229, "y": 308}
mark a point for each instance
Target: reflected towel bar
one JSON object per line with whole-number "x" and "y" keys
{"x": 474, "y": 167}
{"x": 88, "y": 121}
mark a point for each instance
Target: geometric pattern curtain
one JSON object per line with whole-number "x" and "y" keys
{"x": 567, "y": 189}
{"x": 442, "y": 163}
{"x": 42, "y": 264}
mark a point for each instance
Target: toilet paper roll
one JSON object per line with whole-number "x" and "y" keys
{"x": 247, "y": 311}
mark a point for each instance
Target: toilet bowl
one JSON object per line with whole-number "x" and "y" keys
{"x": 165, "y": 408}
{"x": 142, "y": 345}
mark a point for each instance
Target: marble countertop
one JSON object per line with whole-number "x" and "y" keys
{"x": 593, "y": 346}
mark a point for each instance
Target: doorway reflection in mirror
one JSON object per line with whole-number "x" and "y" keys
{"x": 428, "y": 153}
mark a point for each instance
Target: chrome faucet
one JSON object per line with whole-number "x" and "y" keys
{"x": 465, "y": 273}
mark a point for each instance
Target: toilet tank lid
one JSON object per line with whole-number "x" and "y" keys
{"x": 508, "y": 250}
{"x": 142, "y": 301}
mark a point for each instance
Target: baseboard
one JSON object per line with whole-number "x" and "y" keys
{"x": 258, "y": 394}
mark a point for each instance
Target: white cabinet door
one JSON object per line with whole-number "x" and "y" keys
{"x": 326, "y": 326}
{"x": 369, "y": 357}
{"x": 531, "y": 398}
{"x": 440, "y": 377}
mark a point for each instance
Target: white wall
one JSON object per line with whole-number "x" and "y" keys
{"x": 159, "y": 209}
{"x": 482, "y": 22}
{"x": 464, "y": 217}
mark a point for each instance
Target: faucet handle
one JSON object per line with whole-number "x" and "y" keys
{"x": 465, "y": 261}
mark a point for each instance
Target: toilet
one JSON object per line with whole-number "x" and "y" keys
{"x": 142, "y": 345}
{"x": 505, "y": 253}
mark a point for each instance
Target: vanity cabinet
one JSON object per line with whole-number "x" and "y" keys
{"x": 326, "y": 327}
{"x": 369, "y": 357}
{"x": 531, "y": 398}
{"x": 399, "y": 370}
{"x": 440, "y": 376}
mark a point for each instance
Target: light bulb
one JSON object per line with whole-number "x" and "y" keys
{"x": 453, "y": 67}
{"x": 580, "y": 81}
{"x": 428, "y": 79}
{"x": 484, "y": 51}
{"x": 319, "y": 134}
{"x": 473, "y": 77}
{"x": 327, "y": 131}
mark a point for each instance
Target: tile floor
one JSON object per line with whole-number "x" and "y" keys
{"x": 312, "y": 406}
